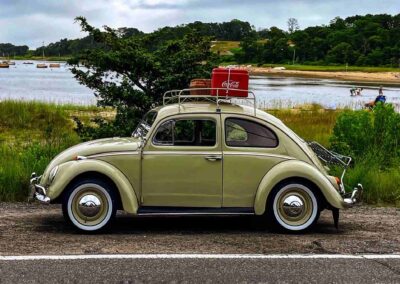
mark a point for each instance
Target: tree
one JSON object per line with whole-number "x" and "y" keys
{"x": 341, "y": 53}
{"x": 10, "y": 50}
{"x": 293, "y": 25}
{"x": 129, "y": 77}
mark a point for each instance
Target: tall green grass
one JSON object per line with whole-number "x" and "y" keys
{"x": 31, "y": 134}
{"x": 382, "y": 186}
{"x": 312, "y": 124}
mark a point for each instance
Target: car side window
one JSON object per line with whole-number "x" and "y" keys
{"x": 186, "y": 132}
{"x": 246, "y": 133}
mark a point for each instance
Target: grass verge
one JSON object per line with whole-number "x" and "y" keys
{"x": 312, "y": 123}
{"x": 31, "y": 134}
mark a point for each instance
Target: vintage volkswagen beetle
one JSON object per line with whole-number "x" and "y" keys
{"x": 197, "y": 156}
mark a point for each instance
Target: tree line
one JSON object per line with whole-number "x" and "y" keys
{"x": 370, "y": 40}
{"x": 10, "y": 50}
{"x": 234, "y": 30}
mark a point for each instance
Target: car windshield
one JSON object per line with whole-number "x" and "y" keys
{"x": 145, "y": 124}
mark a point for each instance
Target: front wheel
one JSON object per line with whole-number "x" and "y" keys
{"x": 89, "y": 205}
{"x": 293, "y": 206}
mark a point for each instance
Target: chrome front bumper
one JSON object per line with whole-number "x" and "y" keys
{"x": 354, "y": 197}
{"x": 37, "y": 192}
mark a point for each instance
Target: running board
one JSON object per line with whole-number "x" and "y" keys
{"x": 192, "y": 211}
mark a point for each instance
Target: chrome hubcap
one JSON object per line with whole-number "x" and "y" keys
{"x": 89, "y": 205}
{"x": 293, "y": 206}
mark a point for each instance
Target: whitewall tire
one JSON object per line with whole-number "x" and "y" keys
{"x": 89, "y": 205}
{"x": 294, "y": 207}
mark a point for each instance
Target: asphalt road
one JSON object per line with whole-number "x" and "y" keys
{"x": 194, "y": 250}
{"x": 202, "y": 270}
{"x": 37, "y": 230}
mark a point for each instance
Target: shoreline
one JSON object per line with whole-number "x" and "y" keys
{"x": 392, "y": 78}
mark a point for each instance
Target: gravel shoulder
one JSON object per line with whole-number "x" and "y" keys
{"x": 36, "y": 229}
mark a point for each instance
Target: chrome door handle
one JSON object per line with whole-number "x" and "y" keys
{"x": 213, "y": 158}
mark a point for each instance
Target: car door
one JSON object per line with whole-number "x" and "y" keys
{"x": 182, "y": 163}
{"x": 251, "y": 148}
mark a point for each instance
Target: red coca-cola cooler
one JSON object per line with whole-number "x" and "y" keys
{"x": 232, "y": 81}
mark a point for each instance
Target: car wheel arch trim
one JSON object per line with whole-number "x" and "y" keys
{"x": 292, "y": 169}
{"x": 71, "y": 170}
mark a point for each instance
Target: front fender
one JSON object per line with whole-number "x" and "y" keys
{"x": 69, "y": 170}
{"x": 295, "y": 169}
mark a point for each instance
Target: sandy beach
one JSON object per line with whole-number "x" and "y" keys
{"x": 376, "y": 77}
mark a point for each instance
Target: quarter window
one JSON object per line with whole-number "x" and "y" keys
{"x": 164, "y": 134}
{"x": 247, "y": 133}
{"x": 186, "y": 132}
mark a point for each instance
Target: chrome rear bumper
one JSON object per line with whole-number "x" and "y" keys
{"x": 355, "y": 196}
{"x": 37, "y": 192}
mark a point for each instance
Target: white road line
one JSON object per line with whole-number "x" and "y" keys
{"x": 200, "y": 256}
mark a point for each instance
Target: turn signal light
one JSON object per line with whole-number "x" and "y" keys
{"x": 78, "y": 158}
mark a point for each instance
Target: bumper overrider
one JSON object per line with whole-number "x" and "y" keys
{"x": 354, "y": 197}
{"x": 37, "y": 192}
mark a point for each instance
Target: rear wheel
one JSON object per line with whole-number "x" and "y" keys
{"x": 293, "y": 206}
{"x": 89, "y": 205}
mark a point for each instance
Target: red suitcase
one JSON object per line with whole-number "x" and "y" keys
{"x": 231, "y": 80}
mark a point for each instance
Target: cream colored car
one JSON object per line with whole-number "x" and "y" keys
{"x": 193, "y": 157}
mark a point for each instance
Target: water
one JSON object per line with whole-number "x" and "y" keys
{"x": 57, "y": 85}
{"x": 283, "y": 92}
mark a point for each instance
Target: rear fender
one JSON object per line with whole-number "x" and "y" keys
{"x": 69, "y": 170}
{"x": 295, "y": 169}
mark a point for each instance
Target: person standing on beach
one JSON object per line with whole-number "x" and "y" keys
{"x": 353, "y": 91}
{"x": 380, "y": 91}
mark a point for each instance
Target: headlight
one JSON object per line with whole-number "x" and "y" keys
{"x": 53, "y": 174}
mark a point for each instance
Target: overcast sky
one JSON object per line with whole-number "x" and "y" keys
{"x": 32, "y": 21}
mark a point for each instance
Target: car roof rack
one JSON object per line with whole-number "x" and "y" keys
{"x": 221, "y": 95}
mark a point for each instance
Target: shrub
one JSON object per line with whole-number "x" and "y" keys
{"x": 372, "y": 139}
{"x": 367, "y": 135}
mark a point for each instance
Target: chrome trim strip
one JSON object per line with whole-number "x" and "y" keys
{"x": 233, "y": 153}
{"x": 228, "y": 153}
{"x": 181, "y": 153}
{"x": 113, "y": 154}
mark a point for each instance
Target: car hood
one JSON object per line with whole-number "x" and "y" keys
{"x": 100, "y": 146}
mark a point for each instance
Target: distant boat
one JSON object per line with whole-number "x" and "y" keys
{"x": 41, "y": 65}
{"x": 4, "y": 65}
{"x": 8, "y": 62}
{"x": 28, "y": 62}
{"x": 55, "y": 65}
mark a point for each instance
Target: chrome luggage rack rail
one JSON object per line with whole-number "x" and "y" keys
{"x": 330, "y": 157}
{"x": 181, "y": 96}
{"x": 333, "y": 158}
